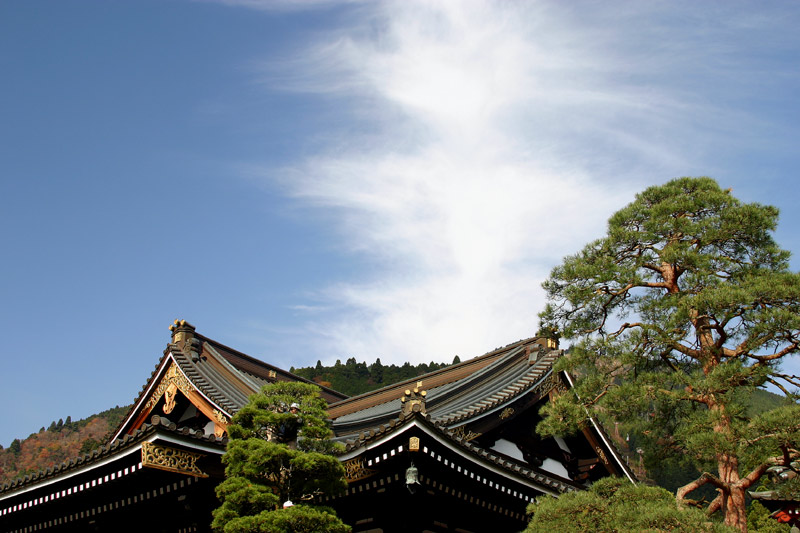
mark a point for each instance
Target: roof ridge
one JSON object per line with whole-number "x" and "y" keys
{"x": 448, "y": 368}
{"x": 537, "y": 370}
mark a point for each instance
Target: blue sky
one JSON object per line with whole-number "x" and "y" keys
{"x": 321, "y": 180}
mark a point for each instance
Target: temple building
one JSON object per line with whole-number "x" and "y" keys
{"x": 454, "y": 450}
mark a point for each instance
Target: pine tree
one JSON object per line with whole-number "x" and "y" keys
{"x": 275, "y": 456}
{"x": 614, "y": 505}
{"x": 679, "y": 313}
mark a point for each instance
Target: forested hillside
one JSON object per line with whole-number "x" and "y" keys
{"x": 60, "y": 441}
{"x": 354, "y": 378}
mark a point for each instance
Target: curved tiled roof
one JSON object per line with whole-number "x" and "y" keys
{"x": 507, "y": 374}
{"x": 223, "y": 375}
{"x": 469, "y": 449}
{"x": 156, "y": 425}
{"x": 217, "y": 381}
{"x": 498, "y": 389}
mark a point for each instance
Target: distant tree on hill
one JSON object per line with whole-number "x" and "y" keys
{"x": 376, "y": 371}
{"x": 47, "y": 448}
{"x": 355, "y": 377}
{"x": 88, "y": 445}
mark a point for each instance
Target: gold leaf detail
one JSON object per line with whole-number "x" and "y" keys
{"x": 354, "y": 469}
{"x": 171, "y": 459}
{"x": 173, "y": 376}
{"x": 461, "y": 432}
{"x": 507, "y": 412}
{"x": 601, "y": 454}
{"x": 220, "y": 417}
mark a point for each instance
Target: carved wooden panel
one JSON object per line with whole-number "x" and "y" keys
{"x": 171, "y": 459}
{"x": 355, "y": 469}
{"x": 172, "y": 380}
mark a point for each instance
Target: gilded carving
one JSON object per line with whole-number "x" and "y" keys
{"x": 220, "y": 417}
{"x": 169, "y": 398}
{"x": 354, "y": 469}
{"x": 601, "y": 454}
{"x": 507, "y": 412}
{"x": 461, "y": 432}
{"x": 551, "y": 383}
{"x": 172, "y": 377}
{"x": 171, "y": 459}
{"x": 413, "y": 444}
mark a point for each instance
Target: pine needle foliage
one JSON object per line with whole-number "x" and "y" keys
{"x": 276, "y": 455}
{"x": 614, "y": 505}
{"x": 678, "y": 314}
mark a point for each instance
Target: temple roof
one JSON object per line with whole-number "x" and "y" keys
{"x": 224, "y": 377}
{"x": 158, "y": 427}
{"x": 457, "y": 393}
{"x": 540, "y": 480}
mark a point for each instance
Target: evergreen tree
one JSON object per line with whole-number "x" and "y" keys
{"x": 456, "y": 360}
{"x": 16, "y": 447}
{"x": 88, "y": 445}
{"x": 683, "y": 309}
{"x": 376, "y": 371}
{"x": 613, "y": 505}
{"x": 277, "y": 454}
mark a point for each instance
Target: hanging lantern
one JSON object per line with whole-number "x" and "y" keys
{"x": 412, "y": 478}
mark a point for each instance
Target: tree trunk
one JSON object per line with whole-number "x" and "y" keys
{"x": 735, "y": 515}
{"x": 733, "y": 500}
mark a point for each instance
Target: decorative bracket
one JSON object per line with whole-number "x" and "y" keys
{"x": 171, "y": 459}
{"x": 354, "y": 470}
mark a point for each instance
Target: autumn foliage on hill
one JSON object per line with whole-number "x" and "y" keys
{"x": 61, "y": 441}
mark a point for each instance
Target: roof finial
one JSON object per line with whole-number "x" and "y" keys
{"x": 182, "y": 332}
{"x": 414, "y": 401}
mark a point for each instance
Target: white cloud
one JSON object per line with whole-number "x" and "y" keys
{"x": 507, "y": 133}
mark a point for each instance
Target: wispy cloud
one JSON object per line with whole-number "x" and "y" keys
{"x": 501, "y": 136}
